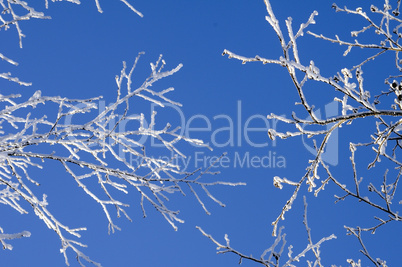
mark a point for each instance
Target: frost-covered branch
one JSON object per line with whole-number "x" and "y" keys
{"x": 273, "y": 256}
{"x": 97, "y": 149}
{"x": 15, "y": 11}
{"x": 357, "y": 233}
{"x": 4, "y": 237}
{"x": 347, "y": 86}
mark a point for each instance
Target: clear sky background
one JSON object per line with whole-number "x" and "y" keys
{"x": 78, "y": 52}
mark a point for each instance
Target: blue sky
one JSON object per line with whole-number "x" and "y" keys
{"x": 79, "y": 51}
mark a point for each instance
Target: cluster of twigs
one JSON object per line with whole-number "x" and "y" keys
{"x": 90, "y": 149}
{"x": 356, "y": 103}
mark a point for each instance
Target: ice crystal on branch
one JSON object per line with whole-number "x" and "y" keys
{"x": 347, "y": 86}
{"x": 276, "y": 254}
{"x": 16, "y": 11}
{"x": 91, "y": 145}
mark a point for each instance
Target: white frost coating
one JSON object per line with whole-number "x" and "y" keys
{"x": 96, "y": 146}
{"x": 346, "y": 75}
{"x": 353, "y": 263}
{"x": 381, "y": 115}
{"x": 8, "y": 60}
{"x": 132, "y": 8}
{"x": 303, "y": 26}
{"x": 345, "y": 106}
{"x": 276, "y": 253}
{"x": 15, "y": 11}
{"x": 4, "y": 237}
{"x": 278, "y": 182}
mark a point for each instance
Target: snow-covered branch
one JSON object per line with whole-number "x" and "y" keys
{"x": 96, "y": 149}
{"x": 15, "y": 11}
{"x": 383, "y": 111}
{"x": 274, "y": 255}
